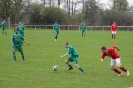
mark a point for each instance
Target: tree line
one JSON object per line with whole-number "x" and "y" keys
{"x": 66, "y": 12}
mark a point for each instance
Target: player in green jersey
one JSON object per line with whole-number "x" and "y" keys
{"x": 83, "y": 29}
{"x": 16, "y": 44}
{"x": 21, "y": 29}
{"x": 56, "y": 27}
{"x": 72, "y": 58}
{"x": 4, "y": 27}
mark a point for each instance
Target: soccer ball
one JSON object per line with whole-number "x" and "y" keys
{"x": 55, "y": 68}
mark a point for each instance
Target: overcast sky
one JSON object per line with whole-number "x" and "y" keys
{"x": 107, "y": 1}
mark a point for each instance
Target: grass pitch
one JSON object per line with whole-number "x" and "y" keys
{"x": 43, "y": 53}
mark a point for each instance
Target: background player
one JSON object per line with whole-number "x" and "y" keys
{"x": 21, "y": 29}
{"x": 83, "y": 29}
{"x": 56, "y": 30}
{"x": 72, "y": 58}
{"x": 4, "y": 27}
{"x": 115, "y": 59}
{"x": 16, "y": 44}
{"x": 113, "y": 29}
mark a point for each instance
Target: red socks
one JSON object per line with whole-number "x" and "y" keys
{"x": 117, "y": 71}
{"x": 124, "y": 69}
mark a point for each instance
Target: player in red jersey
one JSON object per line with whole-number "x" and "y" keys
{"x": 113, "y": 29}
{"x": 115, "y": 59}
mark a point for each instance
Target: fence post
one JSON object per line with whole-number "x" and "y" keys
{"x": 91, "y": 28}
{"x": 103, "y": 28}
{"x": 79, "y": 28}
{"x": 35, "y": 27}
{"x": 68, "y": 27}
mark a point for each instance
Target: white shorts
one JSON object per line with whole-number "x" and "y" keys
{"x": 115, "y": 61}
{"x": 113, "y": 32}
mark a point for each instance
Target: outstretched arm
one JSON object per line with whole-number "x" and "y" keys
{"x": 117, "y": 48}
{"x": 64, "y": 55}
{"x": 26, "y": 42}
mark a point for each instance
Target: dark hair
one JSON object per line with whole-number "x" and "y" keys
{"x": 15, "y": 29}
{"x": 66, "y": 43}
{"x": 103, "y": 48}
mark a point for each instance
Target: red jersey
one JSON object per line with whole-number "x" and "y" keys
{"x": 113, "y": 27}
{"x": 111, "y": 53}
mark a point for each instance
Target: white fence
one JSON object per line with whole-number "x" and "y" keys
{"x": 77, "y": 27}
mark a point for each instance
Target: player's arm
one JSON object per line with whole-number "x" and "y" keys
{"x": 23, "y": 28}
{"x": 12, "y": 42}
{"x": 102, "y": 57}
{"x": 116, "y": 48}
{"x": 23, "y": 39}
{"x": 26, "y": 42}
{"x": 111, "y": 27}
{"x": 64, "y": 55}
{"x": 53, "y": 28}
{"x": 116, "y": 28}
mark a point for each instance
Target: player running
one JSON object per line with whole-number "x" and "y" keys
{"x": 16, "y": 44}
{"x": 4, "y": 27}
{"x": 72, "y": 58}
{"x": 115, "y": 59}
{"x": 56, "y": 27}
{"x": 113, "y": 29}
{"x": 83, "y": 29}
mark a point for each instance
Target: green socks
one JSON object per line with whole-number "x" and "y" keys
{"x": 56, "y": 37}
{"x": 80, "y": 69}
{"x": 23, "y": 57}
{"x": 14, "y": 56}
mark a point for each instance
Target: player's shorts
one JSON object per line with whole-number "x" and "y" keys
{"x": 73, "y": 58}
{"x": 83, "y": 30}
{"x": 56, "y": 32}
{"x": 115, "y": 61}
{"x": 113, "y": 32}
{"x": 17, "y": 48}
{"x": 3, "y": 28}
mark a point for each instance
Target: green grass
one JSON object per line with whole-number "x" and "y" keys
{"x": 44, "y": 52}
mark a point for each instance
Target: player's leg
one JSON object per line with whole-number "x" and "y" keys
{"x": 21, "y": 51}
{"x": 82, "y": 33}
{"x": 5, "y": 31}
{"x": 118, "y": 64}
{"x": 75, "y": 60}
{"x": 14, "y": 55}
{"x": 112, "y": 66}
{"x": 2, "y": 31}
{"x": 67, "y": 62}
{"x": 56, "y": 35}
{"x": 112, "y": 34}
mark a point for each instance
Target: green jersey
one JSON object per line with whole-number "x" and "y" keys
{"x": 20, "y": 29}
{"x": 83, "y": 27}
{"x": 3, "y": 24}
{"x": 17, "y": 39}
{"x": 56, "y": 27}
{"x": 72, "y": 51}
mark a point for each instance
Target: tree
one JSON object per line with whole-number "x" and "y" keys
{"x": 120, "y": 5}
{"x": 52, "y": 14}
{"x": 10, "y": 8}
{"x": 91, "y": 9}
{"x": 34, "y": 13}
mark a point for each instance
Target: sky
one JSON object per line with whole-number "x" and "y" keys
{"x": 107, "y": 2}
